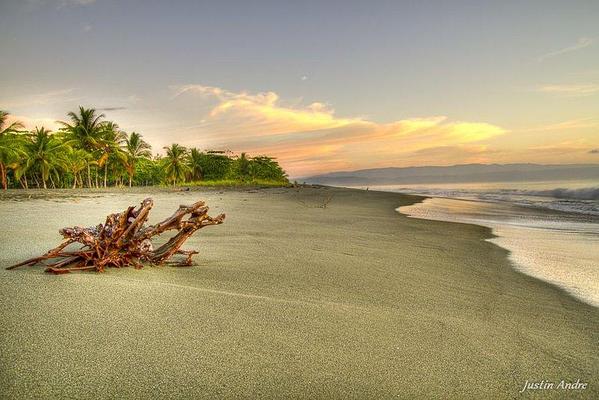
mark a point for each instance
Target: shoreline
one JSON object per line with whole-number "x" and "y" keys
{"x": 508, "y": 237}
{"x": 574, "y": 197}
{"x": 286, "y": 299}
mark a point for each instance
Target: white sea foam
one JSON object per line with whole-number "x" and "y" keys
{"x": 581, "y": 197}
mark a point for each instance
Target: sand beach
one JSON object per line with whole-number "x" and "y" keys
{"x": 286, "y": 300}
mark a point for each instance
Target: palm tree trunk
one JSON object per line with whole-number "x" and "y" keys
{"x": 89, "y": 176}
{"x": 3, "y": 173}
{"x": 74, "y": 181}
{"x": 105, "y": 173}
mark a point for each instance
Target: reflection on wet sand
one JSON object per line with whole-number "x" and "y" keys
{"x": 560, "y": 248}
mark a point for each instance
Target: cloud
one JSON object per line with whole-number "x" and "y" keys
{"x": 581, "y": 43}
{"x": 261, "y": 114}
{"x": 574, "y": 146}
{"x": 201, "y": 90}
{"x": 67, "y": 3}
{"x": 51, "y": 97}
{"x": 570, "y": 90}
{"x": 87, "y": 28}
{"x": 112, "y": 108}
{"x": 59, "y": 3}
{"x": 580, "y": 123}
{"x": 313, "y": 138}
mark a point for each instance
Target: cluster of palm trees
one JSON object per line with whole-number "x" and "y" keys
{"x": 75, "y": 154}
{"x": 90, "y": 151}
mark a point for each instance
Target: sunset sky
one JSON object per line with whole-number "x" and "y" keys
{"x": 321, "y": 86}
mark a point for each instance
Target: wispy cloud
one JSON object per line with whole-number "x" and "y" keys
{"x": 59, "y": 3}
{"x": 117, "y": 108}
{"x": 54, "y": 96}
{"x": 261, "y": 113}
{"x": 575, "y": 146}
{"x": 570, "y": 89}
{"x": 581, "y": 43}
{"x": 579, "y": 123}
{"x": 67, "y": 3}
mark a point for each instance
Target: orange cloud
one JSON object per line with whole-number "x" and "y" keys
{"x": 313, "y": 138}
{"x": 240, "y": 114}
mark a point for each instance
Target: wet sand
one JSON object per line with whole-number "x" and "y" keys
{"x": 286, "y": 300}
{"x": 556, "y": 247}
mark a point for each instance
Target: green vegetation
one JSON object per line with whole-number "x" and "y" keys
{"x": 89, "y": 151}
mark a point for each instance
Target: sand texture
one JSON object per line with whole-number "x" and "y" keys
{"x": 286, "y": 300}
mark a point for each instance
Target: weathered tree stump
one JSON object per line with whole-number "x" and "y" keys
{"x": 123, "y": 240}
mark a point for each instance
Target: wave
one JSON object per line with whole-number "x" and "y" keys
{"x": 587, "y": 193}
{"x": 580, "y": 200}
{"x": 590, "y": 193}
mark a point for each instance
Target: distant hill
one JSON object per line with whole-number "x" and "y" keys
{"x": 457, "y": 173}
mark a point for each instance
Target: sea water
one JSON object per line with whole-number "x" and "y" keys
{"x": 550, "y": 228}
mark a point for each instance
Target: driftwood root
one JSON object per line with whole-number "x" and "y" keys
{"x": 124, "y": 240}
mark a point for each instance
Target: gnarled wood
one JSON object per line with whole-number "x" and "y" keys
{"x": 124, "y": 240}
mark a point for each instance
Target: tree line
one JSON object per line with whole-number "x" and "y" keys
{"x": 89, "y": 151}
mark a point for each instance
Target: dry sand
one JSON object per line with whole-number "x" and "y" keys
{"x": 286, "y": 300}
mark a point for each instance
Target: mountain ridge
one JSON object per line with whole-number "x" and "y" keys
{"x": 473, "y": 172}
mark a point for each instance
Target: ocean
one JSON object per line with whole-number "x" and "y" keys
{"x": 551, "y": 228}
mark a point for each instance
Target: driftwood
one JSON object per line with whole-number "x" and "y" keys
{"x": 124, "y": 241}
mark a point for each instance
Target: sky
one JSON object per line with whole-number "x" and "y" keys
{"x": 320, "y": 85}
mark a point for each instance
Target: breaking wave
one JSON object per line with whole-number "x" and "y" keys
{"x": 590, "y": 193}
{"x": 583, "y": 200}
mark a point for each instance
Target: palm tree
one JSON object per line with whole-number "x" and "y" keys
{"x": 76, "y": 161}
{"x": 20, "y": 166}
{"x": 9, "y": 145}
{"x": 135, "y": 148}
{"x": 175, "y": 163}
{"x": 46, "y": 154}
{"x": 86, "y": 130}
{"x": 12, "y": 128}
{"x": 196, "y": 159}
{"x": 244, "y": 166}
{"x": 109, "y": 144}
